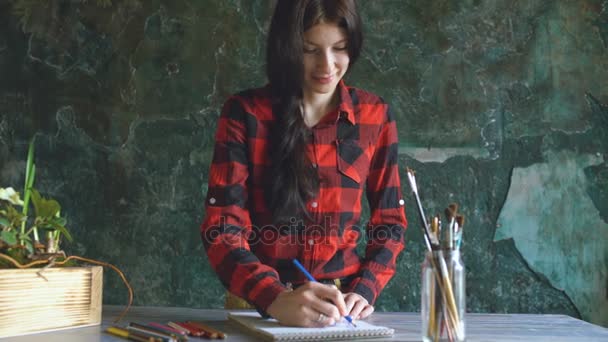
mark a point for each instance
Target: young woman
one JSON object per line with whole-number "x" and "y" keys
{"x": 291, "y": 162}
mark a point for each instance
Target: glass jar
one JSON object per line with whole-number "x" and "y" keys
{"x": 443, "y": 296}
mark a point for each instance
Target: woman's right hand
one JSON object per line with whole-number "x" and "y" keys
{"x": 310, "y": 305}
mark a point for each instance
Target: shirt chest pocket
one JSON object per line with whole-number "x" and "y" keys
{"x": 353, "y": 159}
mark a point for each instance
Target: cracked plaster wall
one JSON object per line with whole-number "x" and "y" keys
{"x": 501, "y": 107}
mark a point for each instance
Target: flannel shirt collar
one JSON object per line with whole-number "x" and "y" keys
{"x": 346, "y": 108}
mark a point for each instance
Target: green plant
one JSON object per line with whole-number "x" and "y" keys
{"x": 20, "y": 244}
{"x": 19, "y": 237}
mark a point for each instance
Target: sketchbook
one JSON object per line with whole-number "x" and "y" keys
{"x": 271, "y": 330}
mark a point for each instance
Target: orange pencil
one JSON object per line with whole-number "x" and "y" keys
{"x": 211, "y": 332}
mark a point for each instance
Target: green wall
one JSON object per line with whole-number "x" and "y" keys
{"x": 501, "y": 107}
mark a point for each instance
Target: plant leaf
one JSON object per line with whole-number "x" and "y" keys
{"x": 50, "y": 208}
{"x": 14, "y": 217}
{"x": 60, "y": 220}
{"x": 30, "y": 174}
{"x": 9, "y": 236}
{"x": 45, "y": 208}
{"x": 29, "y": 164}
{"x": 4, "y": 222}
{"x": 36, "y": 199}
{"x": 28, "y": 189}
{"x": 62, "y": 229}
{"x": 29, "y": 246}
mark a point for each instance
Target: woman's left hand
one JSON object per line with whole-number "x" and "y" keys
{"x": 357, "y": 306}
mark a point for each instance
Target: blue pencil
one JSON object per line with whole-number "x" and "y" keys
{"x": 312, "y": 279}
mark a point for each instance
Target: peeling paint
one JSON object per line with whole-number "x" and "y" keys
{"x": 558, "y": 230}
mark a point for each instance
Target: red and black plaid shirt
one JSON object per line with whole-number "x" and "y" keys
{"x": 353, "y": 148}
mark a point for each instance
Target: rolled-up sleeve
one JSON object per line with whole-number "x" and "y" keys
{"x": 227, "y": 224}
{"x": 387, "y": 224}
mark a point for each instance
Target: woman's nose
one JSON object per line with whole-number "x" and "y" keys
{"x": 325, "y": 57}
{"x": 325, "y": 61}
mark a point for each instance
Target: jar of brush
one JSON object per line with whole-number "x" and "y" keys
{"x": 443, "y": 296}
{"x": 443, "y": 288}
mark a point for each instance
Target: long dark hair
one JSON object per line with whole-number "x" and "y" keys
{"x": 292, "y": 179}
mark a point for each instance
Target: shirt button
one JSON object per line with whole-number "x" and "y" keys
{"x": 401, "y": 202}
{"x": 315, "y": 165}
{"x": 212, "y": 200}
{"x": 311, "y": 242}
{"x": 314, "y": 204}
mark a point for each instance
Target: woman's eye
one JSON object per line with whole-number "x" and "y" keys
{"x": 309, "y": 50}
{"x": 341, "y": 48}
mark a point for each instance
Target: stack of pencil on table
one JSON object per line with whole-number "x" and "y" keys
{"x": 445, "y": 302}
{"x": 169, "y": 332}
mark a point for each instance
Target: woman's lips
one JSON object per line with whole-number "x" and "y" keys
{"x": 323, "y": 79}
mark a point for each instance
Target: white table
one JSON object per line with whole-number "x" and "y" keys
{"x": 479, "y": 327}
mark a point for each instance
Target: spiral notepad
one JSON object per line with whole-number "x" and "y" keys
{"x": 271, "y": 330}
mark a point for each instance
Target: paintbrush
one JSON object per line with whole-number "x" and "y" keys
{"x": 435, "y": 228}
{"x": 430, "y": 240}
{"x": 459, "y": 227}
{"x": 450, "y": 214}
